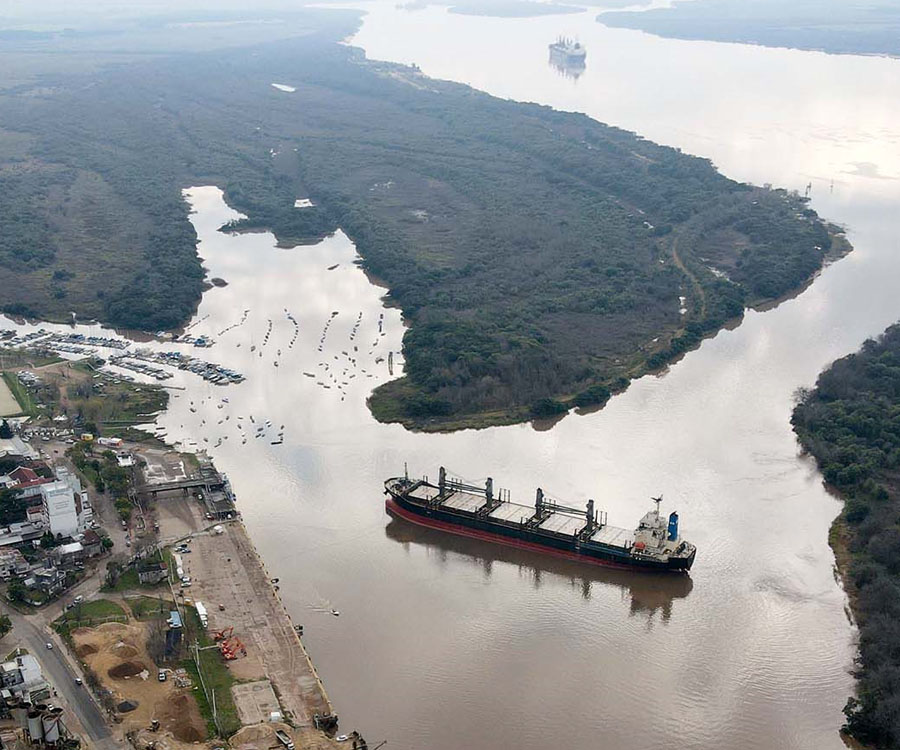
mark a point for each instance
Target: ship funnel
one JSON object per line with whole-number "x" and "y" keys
{"x": 539, "y": 500}
{"x": 442, "y": 480}
{"x": 489, "y": 489}
{"x": 673, "y": 526}
{"x": 590, "y": 514}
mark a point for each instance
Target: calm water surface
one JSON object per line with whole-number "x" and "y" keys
{"x": 445, "y": 643}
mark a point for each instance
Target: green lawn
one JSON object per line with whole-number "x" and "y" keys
{"x": 89, "y": 614}
{"x": 26, "y": 402}
{"x": 150, "y": 608}
{"x": 216, "y": 676}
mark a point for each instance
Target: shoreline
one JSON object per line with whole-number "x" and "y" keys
{"x": 522, "y": 414}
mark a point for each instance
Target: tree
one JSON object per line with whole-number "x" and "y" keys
{"x": 5, "y": 625}
{"x": 113, "y": 571}
{"x": 16, "y": 591}
{"x": 5, "y": 430}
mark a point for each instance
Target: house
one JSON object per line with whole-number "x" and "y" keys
{"x": 34, "y": 514}
{"x": 17, "y": 449}
{"x": 125, "y": 459}
{"x": 92, "y": 543}
{"x": 50, "y": 580}
{"x": 12, "y": 563}
{"x": 22, "y": 676}
{"x": 16, "y": 533}
{"x": 151, "y": 572}
{"x": 28, "y": 481}
{"x": 67, "y": 555}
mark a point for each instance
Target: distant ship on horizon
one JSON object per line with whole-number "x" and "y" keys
{"x": 568, "y": 56}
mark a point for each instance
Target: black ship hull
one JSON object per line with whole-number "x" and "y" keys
{"x": 516, "y": 535}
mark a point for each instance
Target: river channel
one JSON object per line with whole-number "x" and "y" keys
{"x": 444, "y": 643}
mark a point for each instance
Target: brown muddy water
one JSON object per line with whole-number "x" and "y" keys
{"x": 447, "y": 643}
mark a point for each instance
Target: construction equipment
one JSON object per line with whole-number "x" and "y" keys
{"x": 224, "y": 634}
{"x": 284, "y": 739}
{"x": 231, "y": 647}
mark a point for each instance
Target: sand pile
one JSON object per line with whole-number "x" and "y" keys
{"x": 180, "y": 716}
{"x": 124, "y": 650}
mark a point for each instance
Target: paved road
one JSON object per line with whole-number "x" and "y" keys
{"x": 30, "y": 632}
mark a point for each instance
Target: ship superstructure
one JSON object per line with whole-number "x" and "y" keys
{"x": 569, "y": 50}
{"x": 546, "y": 526}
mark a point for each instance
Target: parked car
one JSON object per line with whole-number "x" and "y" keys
{"x": 78, "y": 681}
{"x": 49, "y": 646}
{"x": 161, "y": 675}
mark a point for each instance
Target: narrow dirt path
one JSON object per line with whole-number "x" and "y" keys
{"x": 698, "y": 288}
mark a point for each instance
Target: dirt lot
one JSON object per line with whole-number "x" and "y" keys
{"x": 8, "y": 404}
{"x": 262, "y": 737}
{"x": 116, "y": 652}
{"x": 226, "y": 572}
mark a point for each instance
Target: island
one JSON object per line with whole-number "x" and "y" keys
{"x": 850, "y": 423}
{"x": 541, "y": 258}
{"x": 852, "y": 27}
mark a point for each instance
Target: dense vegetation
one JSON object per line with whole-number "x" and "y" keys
{"x": 540, "y": 255}
{"x": 838, "y": 26}
{"x": 850, "y": 422}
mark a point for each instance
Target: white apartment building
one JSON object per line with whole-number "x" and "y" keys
{"x": 65, "y": 508}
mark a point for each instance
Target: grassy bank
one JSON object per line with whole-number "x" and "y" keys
{"x": 20, "y": 393}
{"x": 216, "y": 678}
{"x": 850, "y": 423}
{"x": 831, "y": 26}
{"x": 89, "y": 614}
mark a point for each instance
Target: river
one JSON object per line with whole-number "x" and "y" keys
{"x": 444, "y": 643}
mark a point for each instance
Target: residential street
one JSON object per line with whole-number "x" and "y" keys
{"x": 30, "y": 632}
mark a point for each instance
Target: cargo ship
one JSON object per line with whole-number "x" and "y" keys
{"x": 567, "y": 51}
{"x": 547, "y": 527}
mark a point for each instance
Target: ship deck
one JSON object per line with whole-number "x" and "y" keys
{"x": 557, "y": 522}
{"x": 613, "y": 536}
{"x": 467, "y": 501}
{"x": 562, "y": 523}
{"x": 512, "y": 512}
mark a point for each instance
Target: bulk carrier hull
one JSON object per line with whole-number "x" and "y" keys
{"x": 546, "y": 529}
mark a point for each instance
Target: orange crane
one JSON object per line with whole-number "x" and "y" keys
{"x": 224, "y": 634}
{"x": 231, "y": 647}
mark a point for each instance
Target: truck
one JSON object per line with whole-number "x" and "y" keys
{"x": 284, "y": 739}
{"x": 202, "y": 613}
